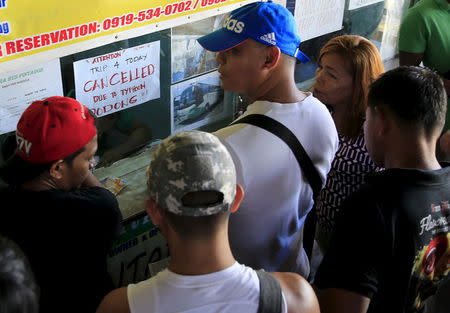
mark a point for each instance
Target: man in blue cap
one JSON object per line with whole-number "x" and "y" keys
{"x": 258, "y": 47}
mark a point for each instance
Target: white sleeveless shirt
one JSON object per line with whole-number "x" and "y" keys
{"x": 234, "y": 289}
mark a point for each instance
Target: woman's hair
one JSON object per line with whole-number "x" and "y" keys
{"x": 365, "y": 65}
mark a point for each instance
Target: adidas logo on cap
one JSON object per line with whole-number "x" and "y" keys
{"x": 234, "y": 25}
{"x": 269, "y": 38}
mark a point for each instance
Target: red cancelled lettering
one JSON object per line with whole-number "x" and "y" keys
{"x": 119, "y": 78}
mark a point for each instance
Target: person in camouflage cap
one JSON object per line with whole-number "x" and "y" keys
{"x": 193, "y": 191}
{"x": 189, "y": 162}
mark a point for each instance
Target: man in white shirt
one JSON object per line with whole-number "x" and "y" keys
{"x": 258, "y": 47}
{"x": 193, "y": 190}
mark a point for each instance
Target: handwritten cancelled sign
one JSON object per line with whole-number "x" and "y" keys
{"x": 119, "y": 80}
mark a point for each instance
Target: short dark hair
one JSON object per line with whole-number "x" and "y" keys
{"x": 69, "y": 159}
{"x": 415, "y": 95}
{"x": 198, "y": 226}
{"x": 18, "y": 290}
{"x": 17, "y": 171}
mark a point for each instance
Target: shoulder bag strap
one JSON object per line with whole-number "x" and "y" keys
{"x": 270, "y": 297}
{"x": 285, "y": 134}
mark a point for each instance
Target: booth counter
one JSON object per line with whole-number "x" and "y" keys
{"x": 137, "y": 253}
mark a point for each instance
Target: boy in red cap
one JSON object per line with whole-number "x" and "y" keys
{"x": 52, "y": 198}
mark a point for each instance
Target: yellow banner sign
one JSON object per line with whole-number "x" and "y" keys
{"x": 28, "y": 27}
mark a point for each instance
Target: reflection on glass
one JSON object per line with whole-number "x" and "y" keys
{"x": 119, "y": 135}
{"x": 188, "y": 57}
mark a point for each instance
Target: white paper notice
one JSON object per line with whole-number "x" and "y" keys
{"x": 119, "y": 80}
{"x": 355, "y": 4}
{"x": 318, "y": 17}
{"x": 19, "y": 89}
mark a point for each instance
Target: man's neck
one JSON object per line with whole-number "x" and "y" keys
{"x": 280, "y": 90}
{"x": 40, "y": 183}
{"x": 199, "y": 257}
{"x": 413, "y": 153}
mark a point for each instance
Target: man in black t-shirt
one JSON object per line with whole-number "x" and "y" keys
{"x": 391, "y": 249}
{"x": 55, "y": 209}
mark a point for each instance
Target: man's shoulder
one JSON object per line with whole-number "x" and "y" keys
{"x": 115, "y": 302}
{"x": 18, "y": 197}
{"x": 424, "y": 10}
{"x": 389, "y": 189}
{"x": 89, "y": 192}
{"x": 299, "y": 295}
{"x": 292, "y": 283}
{"x": 318, "y": 115}
{"x": 88, "y": 197}
{"x": 309, "y": 112}
{"x": 57, "y": 195}
{"x": 369, "y": 196}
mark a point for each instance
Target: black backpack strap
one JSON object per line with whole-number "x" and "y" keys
{"x": 305, "y": 163}
{"x": 270, "y": 296}
{"x": 285, "y": 134}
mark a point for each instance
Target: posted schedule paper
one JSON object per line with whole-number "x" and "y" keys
{"x": 18, "y": 89}
{"x": 318, "y": 17}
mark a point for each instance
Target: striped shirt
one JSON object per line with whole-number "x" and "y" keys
{"x": 350, "y": 165}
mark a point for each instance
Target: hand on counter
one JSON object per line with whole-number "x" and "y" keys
{"x": 137, "y": 135}
{"x": 111, "y": 156}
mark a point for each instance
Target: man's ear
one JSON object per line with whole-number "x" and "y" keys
{"x": 153, "y": 212}
{"x": 383, "y": 121}
{"x": 56, "y": 169}
{"x": 237, "y": 198}
{"x": 273, "y": 57}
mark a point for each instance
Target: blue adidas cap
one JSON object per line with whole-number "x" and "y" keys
{"x": 266, "y": 22}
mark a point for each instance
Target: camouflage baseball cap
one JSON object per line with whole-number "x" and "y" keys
{"x": 187, "y": 162}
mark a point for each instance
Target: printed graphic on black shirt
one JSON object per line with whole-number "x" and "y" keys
{"x": 432, "y": 262}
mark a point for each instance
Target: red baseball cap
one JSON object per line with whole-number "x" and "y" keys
{"x": 52, "y": 129}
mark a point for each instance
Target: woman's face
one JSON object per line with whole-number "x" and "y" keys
{"x": 334, "y": 83}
